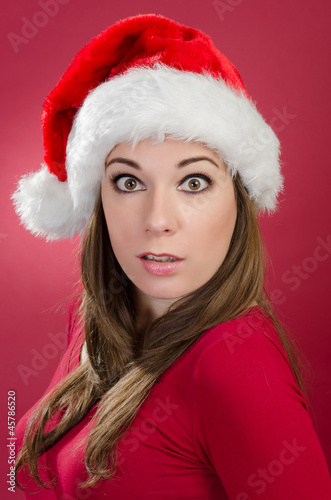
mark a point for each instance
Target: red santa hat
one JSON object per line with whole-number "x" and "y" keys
{"x": 146, "y": 76}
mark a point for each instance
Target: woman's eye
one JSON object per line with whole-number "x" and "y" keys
{"x": 195, "y": 184}
{"x": 128, "y": 184}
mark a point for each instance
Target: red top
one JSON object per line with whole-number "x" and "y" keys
{"x": 226, "y": 421}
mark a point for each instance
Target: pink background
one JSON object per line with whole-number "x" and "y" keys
{"x": 282, "y": 50}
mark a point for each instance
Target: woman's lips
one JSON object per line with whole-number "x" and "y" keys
{"x": 160, "y": 268}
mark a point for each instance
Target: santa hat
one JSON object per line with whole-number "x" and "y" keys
{"x": 143, "y": 77}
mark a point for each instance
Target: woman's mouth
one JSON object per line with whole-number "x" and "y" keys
{"x": 160, "y": 265}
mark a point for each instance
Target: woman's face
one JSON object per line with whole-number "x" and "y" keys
{"x": 172, "y": 198}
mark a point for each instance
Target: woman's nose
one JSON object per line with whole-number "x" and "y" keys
{"x": 160, "y": 213}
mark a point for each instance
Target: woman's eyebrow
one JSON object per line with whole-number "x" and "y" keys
{"x": 181, "y": 164}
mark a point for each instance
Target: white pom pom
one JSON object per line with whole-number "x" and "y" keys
{"x": 45, "y": 207}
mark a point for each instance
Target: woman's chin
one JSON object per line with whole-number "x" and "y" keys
{"x": 162, "y": 291}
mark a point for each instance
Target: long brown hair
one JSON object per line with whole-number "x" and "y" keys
{"x": 121, "y": 369}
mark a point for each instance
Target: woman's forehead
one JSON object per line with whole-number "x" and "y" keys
{"x": 168, "y": 145}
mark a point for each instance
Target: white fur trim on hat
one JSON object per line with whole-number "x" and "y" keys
{"x": 45, "y": 206}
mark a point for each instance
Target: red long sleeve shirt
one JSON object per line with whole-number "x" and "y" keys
{"x": 226, "y": 421}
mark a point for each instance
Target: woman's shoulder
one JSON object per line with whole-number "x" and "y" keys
{"x": 68, "y": 360}
{"x": 233, "y": 332}
{"x": 247, "y": 346}
{"x": 246, "y": 353}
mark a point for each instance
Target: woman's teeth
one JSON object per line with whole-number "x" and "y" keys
{"x": 159, "y": 259}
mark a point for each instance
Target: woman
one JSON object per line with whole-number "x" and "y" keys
{"x": 177, "y": 381}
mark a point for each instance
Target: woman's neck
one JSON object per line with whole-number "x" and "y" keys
{"x": 149, "y": 308}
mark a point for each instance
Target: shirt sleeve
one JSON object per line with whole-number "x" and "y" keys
{"x": 75, "y": 333}
{"x": 251, "y": 423}
{"x": 69, "y": 359}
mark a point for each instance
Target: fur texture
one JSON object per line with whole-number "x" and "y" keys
{"x": 151, "y": 103}
{"x": 44, "y": 205}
